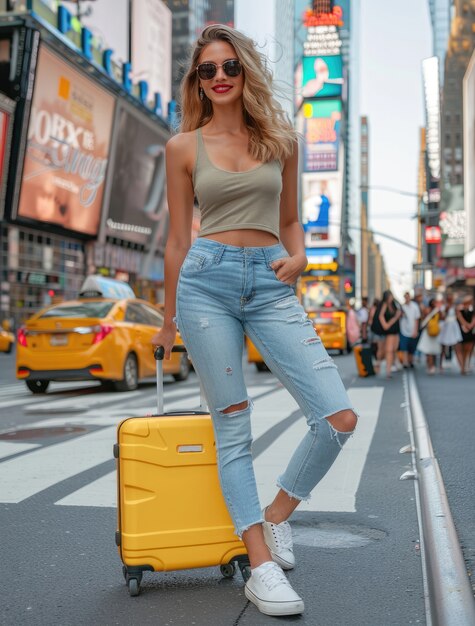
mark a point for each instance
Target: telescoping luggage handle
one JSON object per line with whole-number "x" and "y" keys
{"x": 159, "y": 355}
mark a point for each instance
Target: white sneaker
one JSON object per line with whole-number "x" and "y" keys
{"x": 269, "y": 589}
{"x": 278, "y": 538}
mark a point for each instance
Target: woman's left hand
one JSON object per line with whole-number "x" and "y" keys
{"x": 289, "y": 268}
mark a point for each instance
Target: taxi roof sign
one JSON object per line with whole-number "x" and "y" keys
{"x": 100, "y": 286}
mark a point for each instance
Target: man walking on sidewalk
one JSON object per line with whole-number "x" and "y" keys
{"x": 409, "y": 330}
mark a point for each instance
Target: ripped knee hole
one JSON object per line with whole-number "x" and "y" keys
{"x": 236, "y": 407}
{"x": 343, "y": 421}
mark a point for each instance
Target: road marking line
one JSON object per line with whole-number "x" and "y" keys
{"x": 337, "y": 491}
{"x": 101, "y": 492}
{"x": 9, "y": 448}
{"x": 29, "y": 474}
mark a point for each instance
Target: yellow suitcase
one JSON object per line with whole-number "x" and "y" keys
{"x": 171, "y": 512}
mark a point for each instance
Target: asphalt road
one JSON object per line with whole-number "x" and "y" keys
{"x": 356, "y": 542}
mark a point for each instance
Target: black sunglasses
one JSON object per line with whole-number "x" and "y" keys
{"x": 208, "y": 70}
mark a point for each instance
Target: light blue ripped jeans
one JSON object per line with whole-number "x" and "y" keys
{"x": 223, "y": 293}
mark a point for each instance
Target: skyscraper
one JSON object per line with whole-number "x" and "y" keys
{"x": 440, "y": 20}
{"x": 189, "y": 19}
{"x": 271, "y": 24}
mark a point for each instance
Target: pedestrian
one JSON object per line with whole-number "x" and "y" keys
{"x": 377, "y": 332}
{"x": 238, "y": 154}
{"x": 389, "y": 315}
{"x": 409, "y": 330}
{"x": 466, "y": 320}
{"x": 353, "y": 330}
{"x": 428, "y": 341}
{"x": 363, "y": 315}
{"x": 450, "y": 335}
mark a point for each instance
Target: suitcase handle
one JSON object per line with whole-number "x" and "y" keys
{"x": 159, "y": 354}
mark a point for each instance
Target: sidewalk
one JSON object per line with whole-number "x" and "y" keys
{"x": 448, "y": 401}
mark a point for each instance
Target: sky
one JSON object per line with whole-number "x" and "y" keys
{"x": 394, "y": 38}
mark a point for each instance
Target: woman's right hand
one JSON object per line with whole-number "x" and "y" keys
{"x": 165, "y": 337}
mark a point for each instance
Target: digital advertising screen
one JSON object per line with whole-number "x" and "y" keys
{"x": 321, "y": 209}
{"x": 322, "y": 76}
{"x": 7, "y": 108}
{"x": 137, "y": 203}
{"x": 320, "y": 124}
{"x": 67, "y": 148}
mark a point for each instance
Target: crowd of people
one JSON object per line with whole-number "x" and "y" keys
{"x": 425, "y": 326}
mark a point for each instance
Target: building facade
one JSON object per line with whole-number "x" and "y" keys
{"x": 372, "y": 271}
{"x": 461, "y": 44}
{"x": 82, "y": 178}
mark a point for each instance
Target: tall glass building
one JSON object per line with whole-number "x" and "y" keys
{"x": 440, "y": 20}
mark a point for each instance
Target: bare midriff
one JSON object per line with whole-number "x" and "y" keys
{"x": 244, "y": 238}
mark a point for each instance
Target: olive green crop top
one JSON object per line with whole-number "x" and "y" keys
{"x": 236, "y": 200}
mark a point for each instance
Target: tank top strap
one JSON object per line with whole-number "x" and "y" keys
{"x": 201, "y": 156}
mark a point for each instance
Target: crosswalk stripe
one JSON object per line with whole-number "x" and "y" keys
{"x": 9, "y": 448}
{"x": 45, "y": 467}
{"x": 337, "y": 490}
{"x": 101, "y": 492}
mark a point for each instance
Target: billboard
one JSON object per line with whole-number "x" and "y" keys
{"x": 152, "y": 47}
{"x": 67, "y": 148}
{"x": 137, "y": 203}
{"x": 469, "y": 162}
{"x": 322, "y": 76}
{"x": 320, "y": 124}
{"x": 321, "y": 209}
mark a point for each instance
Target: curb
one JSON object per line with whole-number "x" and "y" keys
{"x": 450, "y": 595}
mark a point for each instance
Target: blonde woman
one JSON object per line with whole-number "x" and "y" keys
{"x": 237, "y": 154}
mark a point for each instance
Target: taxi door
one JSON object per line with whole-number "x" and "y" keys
{"x": 141, "y": 333}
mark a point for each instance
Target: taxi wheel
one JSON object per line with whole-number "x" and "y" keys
{"x": 37, "y": 386}
{"x": 184, "y": 368}
{"x": 131, "y": 374}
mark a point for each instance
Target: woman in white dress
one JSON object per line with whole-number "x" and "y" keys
{"x": 428, "y": 345}
{"x": 450, "y": 335}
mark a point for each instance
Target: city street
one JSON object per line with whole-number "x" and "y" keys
{"x": 356, "y": 541}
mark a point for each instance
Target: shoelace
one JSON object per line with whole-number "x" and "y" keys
{"x": 273, "y": 577}
{"x": 283, "y": 535}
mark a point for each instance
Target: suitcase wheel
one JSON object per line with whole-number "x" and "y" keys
{"x": 245, "y": 571}
{"x": 134, "y": 586}
{"x": 228, "y": 570}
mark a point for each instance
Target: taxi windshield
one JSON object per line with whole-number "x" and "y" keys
{"x": 79, "y": 309}
{"x": 318, "y": 295}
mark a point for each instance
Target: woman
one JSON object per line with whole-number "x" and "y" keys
{"x": 377, "y": 336}
{"x": 450, "y": 335}
{"x": 389, "y": 314}
{"x": 466, "y": 320}
{"x": 237, "y": 153}
{"x": 429, "y": 344}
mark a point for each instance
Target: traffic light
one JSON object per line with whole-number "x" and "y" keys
{"x": 348, "y": 285}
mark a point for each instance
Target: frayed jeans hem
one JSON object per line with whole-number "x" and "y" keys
{"x": 291, "y": 494}
{"x": 239, "y": 532}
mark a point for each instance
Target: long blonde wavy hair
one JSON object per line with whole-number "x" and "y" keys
{"x": 271, "y": 135}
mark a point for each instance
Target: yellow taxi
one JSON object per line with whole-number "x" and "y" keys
{"x": 331, "y": 328}
{"x": 7, "y": 339}
{"x": 104, "y": 335}
{"x": 254, "y": 356}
